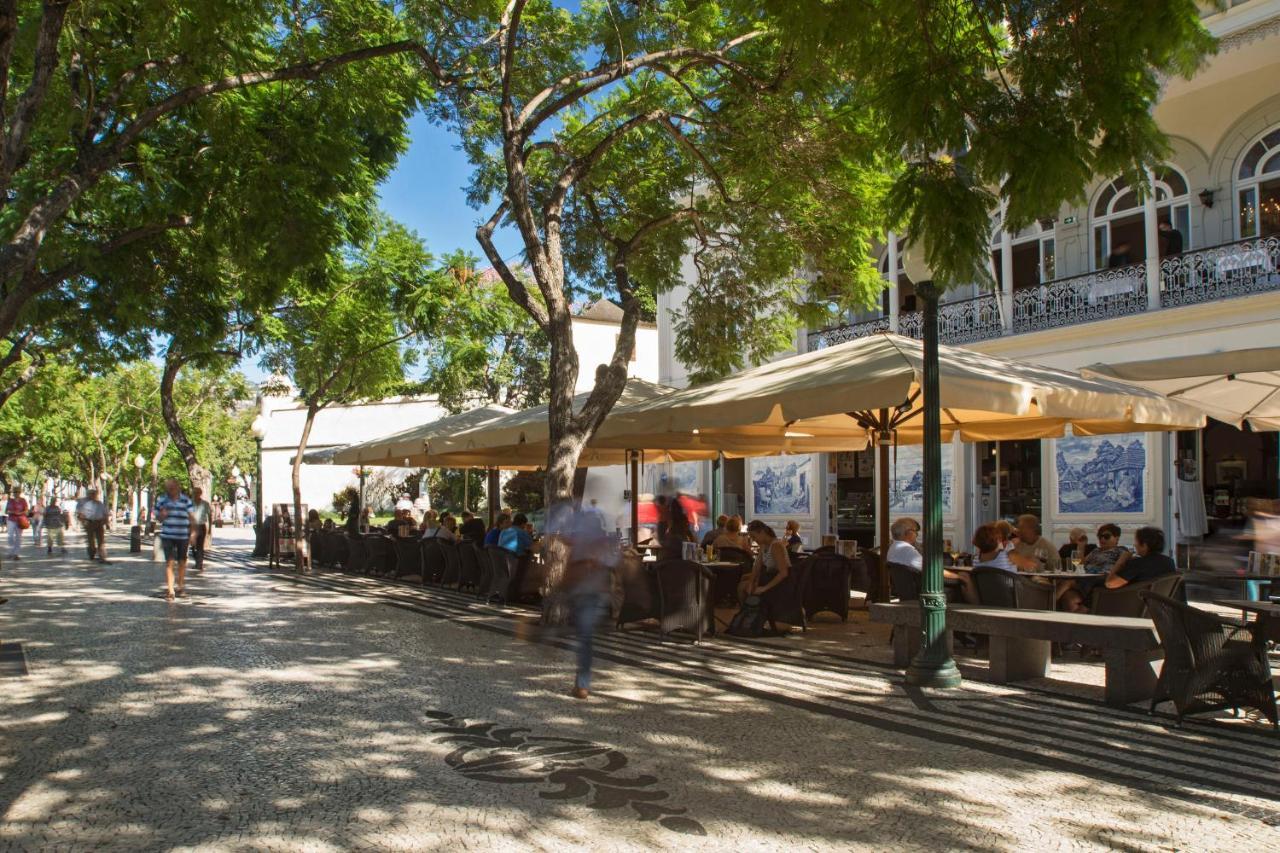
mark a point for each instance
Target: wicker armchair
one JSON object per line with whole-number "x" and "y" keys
{"x": 452, "y": 563}
{"x": 471, "y": 557}
{"x": 639, "y": 588}
{"x": 357, "y": 554}
{"x": 433, "y": 565}
{"x": 683, "y": 594}
{"x": 1127, "y": 600}
{"x": 496, "y": 582}
{"x": 1032, "y": 595}
{"x": 996, "y": 587}
{"x": 1207, "y": 668}
{"x": 785, "y": 602}
{"x": 829, "y": 577}
{"x": 408, "y": 559}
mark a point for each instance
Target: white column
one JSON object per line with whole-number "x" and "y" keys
{"x": 1006, "y": 275}
{"x": 1152, "y": 239}
{"x": 893, "y": 281}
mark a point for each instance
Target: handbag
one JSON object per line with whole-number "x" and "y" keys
{"x": 24, "y": 523}
{"x": 749, "y": 620}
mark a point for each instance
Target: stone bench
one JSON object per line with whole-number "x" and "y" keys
{"x": 1021, "y": 640}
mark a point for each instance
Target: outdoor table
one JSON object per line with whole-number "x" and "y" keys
{"x": 1264, "y": 612}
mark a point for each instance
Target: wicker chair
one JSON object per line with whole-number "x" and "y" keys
{"x": 684, "y": 588}
{"x": 1032, "y": 595}
{"x": 829, "y": 578}
{"x": 1127, "y": 600}
{"x": 1206, "y": 667}
{"x": 528, "y": 577}
{"x": 639, "y": 587}
{"x": 408, "y": 558}
{"x": 496, "y": 584}
{"x": 904, "y": 581}
{"x": 452, "y": 563}
{"x": 357, "y": 554}
{"x": 382, "y": 556}
{"x": 996, "y": 587}
{"x": 470, "y": 557}
{"x": 433, "y": 564}
{"x": 338, "y": 542}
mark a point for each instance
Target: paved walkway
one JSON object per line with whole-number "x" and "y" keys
{"x": 330, "y": 712}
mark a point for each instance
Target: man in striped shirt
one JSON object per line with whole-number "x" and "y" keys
{"x": 173, "y": 511}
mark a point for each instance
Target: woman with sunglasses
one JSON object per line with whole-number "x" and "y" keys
{"x": 1097, "y": 563}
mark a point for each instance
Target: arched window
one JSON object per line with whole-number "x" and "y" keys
{"x": 1258, "y": 188}
{"x": 1119, "y": 233}
{"x": 1033, "y": 251}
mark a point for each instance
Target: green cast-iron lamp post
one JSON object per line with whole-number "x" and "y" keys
{"x": 932, "y": 666}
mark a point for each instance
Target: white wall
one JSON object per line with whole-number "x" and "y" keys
{"x": 595, "y": 341}
{"x": 334, "y": 427}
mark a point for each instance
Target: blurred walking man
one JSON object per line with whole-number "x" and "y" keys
{"x": 201, "y": 527}
{"x": 173, "y": 511}
{"x": 93, "y": 520}
{"x": 19, "y": 520}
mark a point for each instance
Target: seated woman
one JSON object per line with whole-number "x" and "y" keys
{"x": 313, "y": 521}
{"x": 677, "y": 533}
{"x": 1078, "y": 546}
{"x": 792, "y": 535}
{"x": 732, "y": 536}
{"x": 1146, "y": 562}
{"x": 1100, "y": 560}
{"x": 989, "y": 552}
{"x": 401, "y": 525}
{"x": 447, "y": 529}
{"x": 772, "y": 564}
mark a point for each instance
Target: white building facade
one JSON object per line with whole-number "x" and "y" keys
{"x": 1097, "y": 282}
{"x": 595, "y": 333}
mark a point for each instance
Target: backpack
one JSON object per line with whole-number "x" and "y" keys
{"x": 749, "y": 620}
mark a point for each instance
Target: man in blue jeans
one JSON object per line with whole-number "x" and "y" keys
{"x": 173, "y": 511}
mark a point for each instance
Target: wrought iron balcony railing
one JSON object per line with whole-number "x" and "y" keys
{"x": 1219, "y": 272}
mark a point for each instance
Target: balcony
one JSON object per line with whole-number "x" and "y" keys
{"x": 1220, "y": 272}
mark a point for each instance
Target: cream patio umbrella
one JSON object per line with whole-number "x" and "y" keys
{"x": 1236, "y": 386}
{"x": 870, "y": 390}
{"x": 406, "y": 448}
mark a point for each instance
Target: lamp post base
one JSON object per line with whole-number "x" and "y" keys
{"x": 928, "y": 674}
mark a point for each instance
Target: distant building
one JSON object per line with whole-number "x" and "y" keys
{"x": 595, "y": 333}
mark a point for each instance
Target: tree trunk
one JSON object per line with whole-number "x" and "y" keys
{"x": 161, "y": 449}
{"x": 301, "y": 560}
{"x": 197, "y": 473}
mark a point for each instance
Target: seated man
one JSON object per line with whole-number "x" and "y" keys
{"x": 1034, "y": 546}
{"x": 709, "y": 538}
{"x": 731, "y": 536}
{"x": 517, "y": 538}
{"x": 904, "y": 532}
{"x": 1148, "y": 561}
{"x": 401, "y": 525}
{"x": 472, "y": 528}
{"x": 1078, "y": 546}
{"x": 504, "y": 521}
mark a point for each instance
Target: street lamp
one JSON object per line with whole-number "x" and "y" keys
{"x": 259, "y": 430}
{"x": 932, "y": 666}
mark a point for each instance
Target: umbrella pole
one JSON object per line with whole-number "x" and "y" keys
{"x": 635, "y": 496}
{"x": 493, "y": 497}
{"x": 933, "y": 666}
{"x": 882, "y": 501}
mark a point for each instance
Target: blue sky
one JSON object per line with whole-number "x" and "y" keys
{"x": 426, "y": 193}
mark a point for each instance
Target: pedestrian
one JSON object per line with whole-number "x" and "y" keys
{"x": 54, "y": 522}
{"x": 37, "y": 519}
{"x": 173, "y": 511}
{"x": 18, "y": 514}
{"x": 586, "y": 581}
{"x": 93, "y": 520}
{"x": 201, "y": 527}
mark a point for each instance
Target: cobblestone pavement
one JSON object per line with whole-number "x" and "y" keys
{"x": 331, "y": 712}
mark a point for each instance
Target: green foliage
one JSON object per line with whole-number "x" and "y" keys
{"x": 340, "y": 337}
{"x": 706, "y": 141}
{"x": 524, "y": 492}
{"x": 490, "y": 350}
{"x": 1027, "y": 101}
{"x": 446, "y": 489}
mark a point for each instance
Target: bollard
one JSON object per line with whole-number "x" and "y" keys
{"x": 135, "y": 539}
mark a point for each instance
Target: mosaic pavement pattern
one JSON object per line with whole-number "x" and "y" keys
{"x": 332, "y": 712}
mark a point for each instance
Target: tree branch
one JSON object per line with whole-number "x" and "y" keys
{"x": 582, "y": 165}
{"x": 593, "y": 79}
{"x": 515, "y": 287}
{"x": 14, "y": 152}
